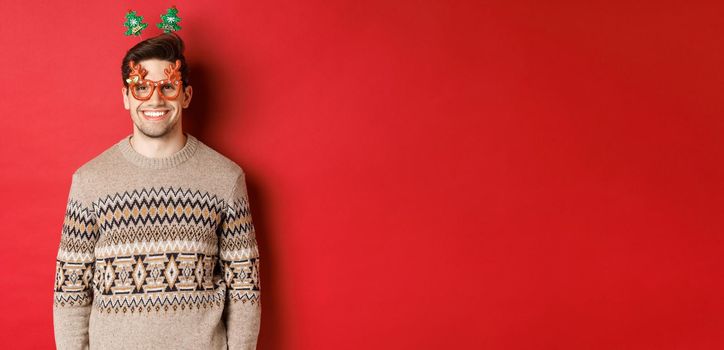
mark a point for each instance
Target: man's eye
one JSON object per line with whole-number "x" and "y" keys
{"x": 167, "y": 87}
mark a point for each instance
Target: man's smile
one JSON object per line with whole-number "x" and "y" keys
{"x": 155, "y": 114}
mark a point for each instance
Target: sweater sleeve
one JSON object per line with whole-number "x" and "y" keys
{"x": 74, "y": 268}
{"x": 239, "y": 260}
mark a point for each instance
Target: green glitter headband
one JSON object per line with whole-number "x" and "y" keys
{"x": 169, "y": 22}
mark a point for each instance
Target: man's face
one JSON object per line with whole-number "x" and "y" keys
{"x": 145, "y": 113}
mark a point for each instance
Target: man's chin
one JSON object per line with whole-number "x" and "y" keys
{"x": 153, "y": 130}
{"x": 154, "y": 133}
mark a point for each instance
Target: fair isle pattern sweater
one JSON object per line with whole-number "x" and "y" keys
{"x": 157, "y": 253}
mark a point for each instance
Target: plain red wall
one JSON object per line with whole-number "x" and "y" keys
{"x": 423, "y": 174}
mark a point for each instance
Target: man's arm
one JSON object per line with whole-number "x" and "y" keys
{"x": 239, "y": 259}
{"x": 73, "y": 296}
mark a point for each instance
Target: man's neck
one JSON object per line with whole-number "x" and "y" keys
{"x": 158, "y": 147}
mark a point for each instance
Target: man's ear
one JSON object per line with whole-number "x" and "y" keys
{"x": 126, "y": 102}
{"x": 188, "y": 92}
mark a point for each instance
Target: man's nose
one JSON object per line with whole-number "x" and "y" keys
{"x": 156, "y": 95}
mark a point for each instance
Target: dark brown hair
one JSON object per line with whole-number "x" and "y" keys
{"x": 166, "y": 46}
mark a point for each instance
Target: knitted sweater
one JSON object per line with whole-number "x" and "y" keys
{"x": 157, "y": 253}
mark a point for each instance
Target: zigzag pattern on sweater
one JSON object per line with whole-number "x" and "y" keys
{"x": 155, "y": 206}
{"x": 237, "y": 220}
{"x": 79, "y": 233}
{"x": 72, "y": 299}
{"x": 159, "y": 302}
{"x": 147, "y": 239}
{"x": 237, "y": 235}
{"x": 155, "y": 233}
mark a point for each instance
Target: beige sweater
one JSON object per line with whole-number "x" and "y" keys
{"x": 157, "y": 253}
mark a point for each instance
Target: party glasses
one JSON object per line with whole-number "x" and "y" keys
{"x": 142, "y": 88}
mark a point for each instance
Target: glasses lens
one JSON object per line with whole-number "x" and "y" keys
{"x": 170, "y": 89}
{"x": 142, "y": 89}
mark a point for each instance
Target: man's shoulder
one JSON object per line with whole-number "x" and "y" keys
{"x": 218, "y": 161}
{"x": 219, "y": 168}
{"x": 100, "y": 162}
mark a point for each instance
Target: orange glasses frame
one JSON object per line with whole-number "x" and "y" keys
{"x": 138, "y": 74}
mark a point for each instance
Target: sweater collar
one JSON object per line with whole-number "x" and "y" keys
{"x": 124, "y": 145}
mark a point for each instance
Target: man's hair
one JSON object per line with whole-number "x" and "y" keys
{"x": 166, "y": 46}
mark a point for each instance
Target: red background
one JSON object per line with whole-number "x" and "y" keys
{"x": 423, "y": 174}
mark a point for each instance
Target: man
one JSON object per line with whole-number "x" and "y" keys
{"x": 157, "y": 249}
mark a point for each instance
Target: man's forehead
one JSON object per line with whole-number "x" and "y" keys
{"x": 155, "y": 61}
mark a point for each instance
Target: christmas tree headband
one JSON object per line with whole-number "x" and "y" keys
{"x": 169, "y": 22}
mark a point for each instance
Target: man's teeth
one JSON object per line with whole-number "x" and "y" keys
{"x": 154, "y": 114}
